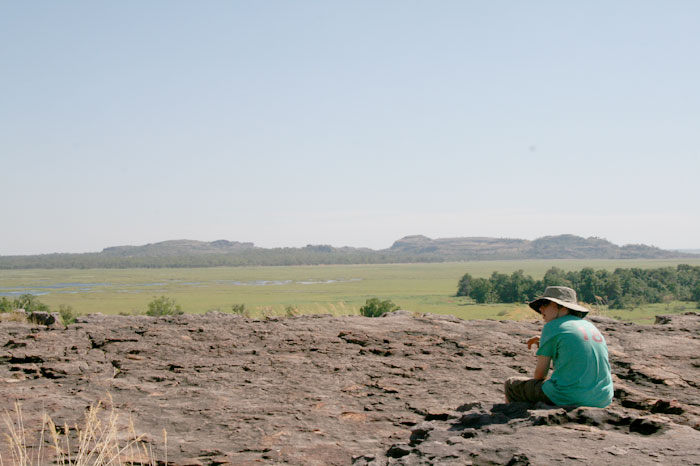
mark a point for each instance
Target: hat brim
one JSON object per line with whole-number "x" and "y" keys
{"x": 535, "y": 305}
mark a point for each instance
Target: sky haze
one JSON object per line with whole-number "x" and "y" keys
{"x": 347, "y": 123}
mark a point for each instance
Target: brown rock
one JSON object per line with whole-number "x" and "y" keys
{"x": 308, "y": 390}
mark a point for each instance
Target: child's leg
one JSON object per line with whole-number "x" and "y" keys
{"x": 525, "y": 389}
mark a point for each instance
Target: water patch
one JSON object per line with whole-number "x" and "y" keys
{"x": 24, "y": 291}
{"x": 327, "y": 282}
{"x": 254, "y": 283}
{"x": 57, "y": 286}
{"x": 101, "y": 287}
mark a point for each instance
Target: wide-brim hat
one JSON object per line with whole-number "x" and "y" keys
{"x": 562, "y": 295}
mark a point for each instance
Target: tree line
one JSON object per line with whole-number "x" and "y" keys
{"x": 623, "y": 288}
{"x": 257, "y": 257}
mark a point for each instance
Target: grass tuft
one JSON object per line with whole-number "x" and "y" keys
{"x": 97, "y": 442}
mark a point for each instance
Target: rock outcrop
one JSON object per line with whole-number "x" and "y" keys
{"x": 404, "y": 389}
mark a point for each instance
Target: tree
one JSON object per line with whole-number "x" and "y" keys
{"x": 374, "y": 307}
{"x": 481, "y": 291}
{"x": 164, "y": 306}
{"x": 464, "y": 286}
{"x": 521, "y": 287}
{"x": 696, "y": 293}
{"x": 501, "y": 287}
{"x": 589, "y": 286}
{"x": 556, "y": 277}
{"x": 612, "y": 289}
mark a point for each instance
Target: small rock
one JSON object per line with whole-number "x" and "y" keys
{"x": 420, "y": 433}
{"x": 363, "y": 460}
{"x": 398, "y": 450}
{"x": 519, "y": 460}
{"x": 468, "y": 407}
{"x": 667, "y": 407}
{"x": 43, "y": 318}
{"x": 616, "y": 451}
{"x": 646, "y": 426}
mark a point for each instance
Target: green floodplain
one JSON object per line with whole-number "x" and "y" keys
{"x": 329, "y": 289}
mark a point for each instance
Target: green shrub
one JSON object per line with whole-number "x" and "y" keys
{"x": 239, "y": 309}
{"x": 374, "y": 307}
{"x": 291, "y": 311}
{"x": 30, "y": 303}
{"x": 68, "y": 315}
{"x": 163, "y": 306}
{"x": 6, "y": 305}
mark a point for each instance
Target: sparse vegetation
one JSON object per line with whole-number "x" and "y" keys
{"x": 6, "y": 305}
{"x": 28, "y": 302}
{"x": 94, "y": 443}
{"x": 164, "y": 306}
{"x": 339, "y": 290}
{"x": 67, "y": 313}
{"x": 374, "y": 307}
{"x": 239, "y": 309}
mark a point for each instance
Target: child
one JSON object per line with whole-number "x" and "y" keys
{"x": 581, "y": 375}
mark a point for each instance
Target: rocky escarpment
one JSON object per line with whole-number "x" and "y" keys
{"x": 321, "y": 390}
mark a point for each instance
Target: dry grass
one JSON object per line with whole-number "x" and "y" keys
{"x": 99, "y": 441}
{"x": 13, "y": 317}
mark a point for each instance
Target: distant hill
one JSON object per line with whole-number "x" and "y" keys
{"x": 547, "y": 247}
{"x": 190, "y": 253}
{"x": 688, "y": 251}
{"x": 178, "y": 248}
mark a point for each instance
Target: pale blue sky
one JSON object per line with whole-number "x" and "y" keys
{"x": 351, "y": 123}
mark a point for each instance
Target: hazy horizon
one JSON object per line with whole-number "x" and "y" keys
{"x": 313, "y": 244}
{"x": 347, "y": 123}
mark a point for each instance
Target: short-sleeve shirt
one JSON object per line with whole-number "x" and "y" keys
{"x": 579, "y": 353}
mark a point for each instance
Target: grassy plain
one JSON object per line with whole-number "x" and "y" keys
{"x": 339, "y": 290}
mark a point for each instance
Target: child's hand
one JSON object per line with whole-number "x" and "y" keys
{"x": 533, "y": 341}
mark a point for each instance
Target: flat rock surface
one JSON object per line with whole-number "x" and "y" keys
{"x": 403, "y": 389}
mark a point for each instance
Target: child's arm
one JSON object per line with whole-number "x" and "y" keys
{"x": 542, "y": 367}
{"x": 533, "y": 341}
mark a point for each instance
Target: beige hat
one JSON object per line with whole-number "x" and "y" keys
{"x": 561, "y": 295}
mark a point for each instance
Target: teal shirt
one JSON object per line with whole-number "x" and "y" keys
{"x": 581, "y": 374}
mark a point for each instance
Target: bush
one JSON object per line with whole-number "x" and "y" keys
{"x": 374, "y": 307}
{"x": 239, "y": 309}
{"x": 164, "y": 306}
{"x": 6, "y": 305}
{"x": 30, "y": 303}
{"x": 68, "y": 315}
